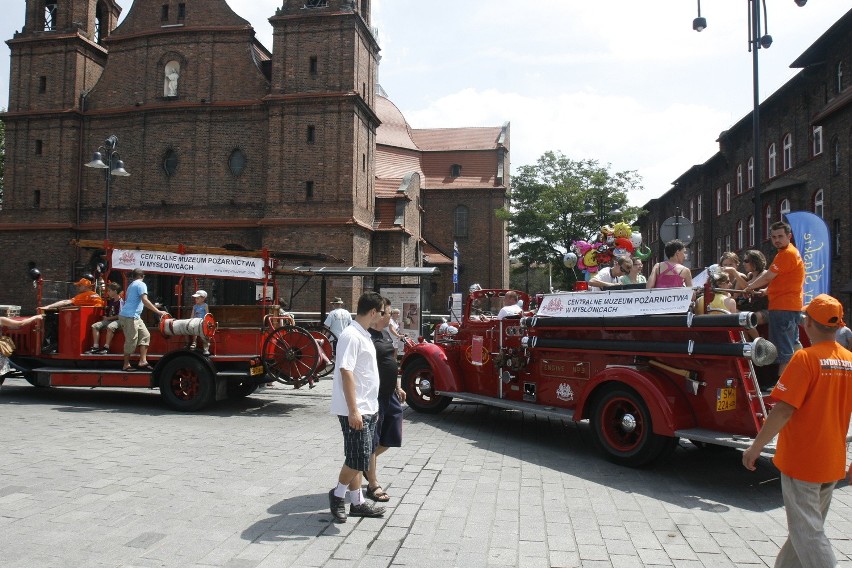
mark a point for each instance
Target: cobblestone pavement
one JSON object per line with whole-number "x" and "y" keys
{"x": 96, "y": 478}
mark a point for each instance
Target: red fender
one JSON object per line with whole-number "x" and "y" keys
{"x": 445, "y": 377}
{"x": 666, "y": 402}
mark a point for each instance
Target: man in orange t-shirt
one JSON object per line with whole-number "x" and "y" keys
{"x": 811, "y": 418}
{"x": 786, "y": 279}
{"x": 86, "y": 296}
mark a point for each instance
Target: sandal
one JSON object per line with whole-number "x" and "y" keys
{"x": 377, "y": 494}
{"x": 145, "y": 368}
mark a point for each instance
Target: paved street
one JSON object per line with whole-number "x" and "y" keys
{"x": 96, "y": 478}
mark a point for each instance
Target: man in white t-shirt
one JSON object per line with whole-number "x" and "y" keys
{"x": 611, "y": 276}
{"x": 338, "y": 318}
{"x": 354, "y": 400}
{"x": 510, "y": 306}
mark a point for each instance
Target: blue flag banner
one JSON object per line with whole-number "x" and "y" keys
{"x": 455, "y": 267}
{"x": 811, "y": 237}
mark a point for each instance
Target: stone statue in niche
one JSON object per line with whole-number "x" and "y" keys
{"x": 170, "y": 88}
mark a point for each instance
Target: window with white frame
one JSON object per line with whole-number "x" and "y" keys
{"x": 727, "y": 243}
{"x": 771, "y": 155}
{"x": 784, "y": 207}
{"x": 751, "y": 172}
{"x": 838, "y": 77}
{"x": 739, "y": 179}
{"x": 698, "y": 206}
{"x": 727, "y": 197}
{"x": 718, "y": 201}
{"x": 788, "y": 152}
{"x": 719, "y": 247}
{"x": 692, "y": 210}
{"x": 817, "y": 148}
{"x": 740, "y": 235}
{"x": 767, "y": 221}
{"x": 751, "y": 231}
{"x": 699, "y": 254}
{"x": 819, "y": 202}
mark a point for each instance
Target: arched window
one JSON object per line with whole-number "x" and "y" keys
{"x": 751, "y": 231}
{"x": 819, "y": 202}
{"x": 783, "y": 207}
{"x": 838, "y": 83}
{"x": 740, "y": 235}
{"x": 170, "y": 162}
{"x": 788, "y": 152}
{"x": 49, "y": 15}
{"x": 770, "y": 164}
{"x": 751, "y": 172}
{"x": 237, "y": 162}
{"x": 170, "y": 80}
{"x": 460, "y": 221}
{"x": 739, "y": 179}
{"x": 767, "y": 221}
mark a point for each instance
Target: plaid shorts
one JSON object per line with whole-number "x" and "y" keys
{"x": 358, "y": 444}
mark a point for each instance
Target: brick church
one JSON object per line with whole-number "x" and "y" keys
{"x": 229, "y": 144}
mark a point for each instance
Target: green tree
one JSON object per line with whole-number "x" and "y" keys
{"x": 549, "y": 209}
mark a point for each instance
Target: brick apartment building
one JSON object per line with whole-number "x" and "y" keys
{"x": 806, "y": 136}
{"x": 230, "y": 144}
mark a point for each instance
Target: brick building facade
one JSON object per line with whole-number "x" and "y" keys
{"x": 806, "y": 165}
{"x": 227, "y": 143}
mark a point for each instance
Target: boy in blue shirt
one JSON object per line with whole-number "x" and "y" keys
{"x": 199, "y": 310}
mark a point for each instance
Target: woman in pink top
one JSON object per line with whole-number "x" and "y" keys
{"x": 671, "y": 273}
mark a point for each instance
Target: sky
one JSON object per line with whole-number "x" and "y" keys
{"x": 625, "y": 82}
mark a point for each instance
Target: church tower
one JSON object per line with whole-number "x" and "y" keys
{"x": 322, "y": 124}
{"x": 55, "y": 59}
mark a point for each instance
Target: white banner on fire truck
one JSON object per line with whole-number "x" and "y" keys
{"x": 224, "y": 266}
{"x": 615, "y": 303}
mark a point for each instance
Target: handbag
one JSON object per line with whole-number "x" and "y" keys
{"x": 7, "y": 346}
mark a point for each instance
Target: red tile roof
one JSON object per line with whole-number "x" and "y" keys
{"x": 432, "y": 255}
{"x": 474, "y": 138}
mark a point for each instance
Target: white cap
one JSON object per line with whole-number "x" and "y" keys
{"x": 200, "y": 294}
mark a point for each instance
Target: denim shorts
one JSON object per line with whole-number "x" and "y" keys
{"x": 784, "y": 333}
{"x": 358, "y": 444}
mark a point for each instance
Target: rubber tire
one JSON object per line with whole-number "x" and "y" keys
{"x": 417, "y": 399}
{"x": 198, "y": 389}
{"x": 637, "y": 448}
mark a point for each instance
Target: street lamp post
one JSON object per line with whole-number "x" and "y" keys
{"x": 757, "y": 39}
{"x": 600, "y": 207}
{"x": 113, "y": 166}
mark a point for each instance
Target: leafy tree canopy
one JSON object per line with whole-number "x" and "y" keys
{"x": 558, "y": 200}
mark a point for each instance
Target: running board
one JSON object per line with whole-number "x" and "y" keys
{"x": 722, "y": 439}
{"x": 562, "y": 413}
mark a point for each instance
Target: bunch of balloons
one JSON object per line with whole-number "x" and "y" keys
{"x": 615, "y": 241}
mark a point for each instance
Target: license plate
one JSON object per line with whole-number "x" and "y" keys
{"x": 258, "y": 370}
{"x": 726, "y": 399}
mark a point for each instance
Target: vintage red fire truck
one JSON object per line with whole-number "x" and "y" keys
{"x": 637, "y": 364}
{"x": 250, "y": 344}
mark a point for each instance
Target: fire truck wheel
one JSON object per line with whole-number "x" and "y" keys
{"x": 186, "y": 384}
{"x": 418, "y": 381}
{"x": 621, "y": 425}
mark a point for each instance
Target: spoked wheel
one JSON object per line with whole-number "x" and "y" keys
{"x": 327, "y": 342}
{"x": 291, "y": 356}
{"x": 418, "y": 380}
{"x": 622, "y": 428}
{"x": 187, "y": 384}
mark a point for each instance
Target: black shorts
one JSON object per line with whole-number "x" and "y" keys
{"x": 389, "y": 428}
{"x": 358, "y": 444}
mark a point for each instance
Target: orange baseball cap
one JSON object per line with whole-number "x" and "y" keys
{"x": 83, "y": 282}
{"x": 825, "y": 310}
